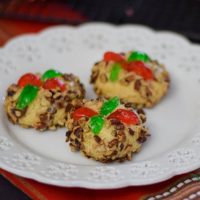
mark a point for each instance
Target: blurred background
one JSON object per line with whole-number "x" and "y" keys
{"x": 182, "y": 16}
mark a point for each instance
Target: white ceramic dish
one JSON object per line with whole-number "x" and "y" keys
{"x": 174, "y": 124}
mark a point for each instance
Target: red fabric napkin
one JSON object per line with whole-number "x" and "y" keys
{"x": 183, "y": 186}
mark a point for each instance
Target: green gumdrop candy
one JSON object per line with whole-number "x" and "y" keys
{"x": 138, "y": 56}
{"x": 109, "y": 106}
{"x": 96, "y": 124}
{"x": 27, "y": 95}
{"x": 114, "y": 74}
{"x": 51, "y": 73}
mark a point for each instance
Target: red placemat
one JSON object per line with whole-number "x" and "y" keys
{"x": 179, "y": 187}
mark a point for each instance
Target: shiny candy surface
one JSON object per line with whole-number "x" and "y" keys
{"x": 109, "y": 106}
{"x": 96, "y": 124}
{"x": 140, "y": 69}
{"x": 27, "y": 95}
{"x": 111, "y": 56}
{"x": 51, "y": 73}
{"x": 114, "y": 74}
{"x": 138, "y": 56}
{"x": 83, "y": 112}
{"x": 125, "y": 116}
{"x": 29, "y": 79}
{"x": 54, "y": 83}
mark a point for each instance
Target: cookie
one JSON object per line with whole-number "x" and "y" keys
{"x": 106, "y": 131}
{"x": 132, "y": 76}
{"x": 42, "y": 101}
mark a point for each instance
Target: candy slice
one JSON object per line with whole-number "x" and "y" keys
{"x": 114, "y": 74}
{"x": 138, "y": 56}
{"x": 83, "y": 112}
{"x": 29, "y": 79}
{"x": 109, "y": 106}
{"x": 125, "y": 116}
{"x": 53, "y": 84}
{"x": 111, "y": 56}
{"x": 51, "y": 73}
{"x": 27, "y": 95}
{"x": 141, "y": 69}
{"x": 96, "y": 124}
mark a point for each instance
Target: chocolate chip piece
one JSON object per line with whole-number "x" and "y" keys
{"x": 78, "y": 144}
{"x": 128, "y": 146}
{"x": 112, "y": 143}
{"x": 74, "y": 147}
{"x": 113, "y": 153}
{"x": 10, "y": 93}
{"x": 60, "y": 104}
{"x": 94, "y": 76}
{"x": 131, "y": 131}
{"x": 68, "y": 77}
{"x": 121, "y": 146}
{"x": 120, "y": 126}
{"x": 140, "y": 111}
{"x": 51, "y": 110}
{"x": 78, "y": 132}
{"x": 41, "y": 126}
{"x": 43, "y": 117}
{"x": 128, "y": 105}
{"x": 137, "y": 85}
{"x": 115, "y": 122}
{"x": 141, "y": 139}
{"x": 96, "y": 63}
{"x": 68, "y": 133}
{"x": 97, "y": 139}
{"x": 68, "y": 107}
{"x": 148, "y": 92}
{"x": 143, "y": 132}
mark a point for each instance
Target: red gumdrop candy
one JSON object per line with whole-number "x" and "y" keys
{"x": 54, "y": 83}
{"x": 111, "y": 56}
{"x": 125, "y": 116}
{"x": 83, "y": 112}
{"x": 29, "y": 79}
{"x": 140, "y": 69}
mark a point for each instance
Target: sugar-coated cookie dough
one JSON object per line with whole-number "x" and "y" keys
{"x": 106, "y": 130}
{"x": 42, "y": 101}
{"x": 133, "y": 76}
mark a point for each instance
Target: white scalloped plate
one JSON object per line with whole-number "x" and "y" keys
{"x": 174, "y": 124}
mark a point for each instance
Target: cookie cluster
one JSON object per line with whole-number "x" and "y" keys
{"x": 43, "y": 101}
{"x": 134, "y": 77}
{"x": 109, "y": 128}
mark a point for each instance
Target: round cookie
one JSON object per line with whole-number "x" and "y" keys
{"x": 133, "y": 76}
{"x": 106, "y": 130}
{"x": 42, "y": 101}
